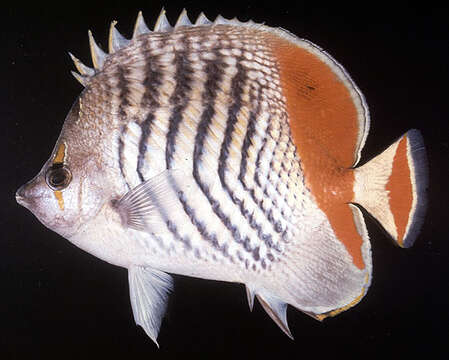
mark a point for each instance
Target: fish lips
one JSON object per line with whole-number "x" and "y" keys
{"x": 33, "y": 197}
{"x": 22, "y": 197}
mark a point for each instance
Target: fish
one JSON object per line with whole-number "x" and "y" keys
{"x": 230, "y": 151}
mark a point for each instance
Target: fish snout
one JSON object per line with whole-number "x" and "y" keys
{"x": 29, "y": 192}
{"x": 21, "y": 195}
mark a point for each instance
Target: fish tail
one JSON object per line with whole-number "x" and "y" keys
{"x": 392, "y": 187}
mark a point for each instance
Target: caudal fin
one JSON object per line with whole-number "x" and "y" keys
{"x": 392, "y": 187}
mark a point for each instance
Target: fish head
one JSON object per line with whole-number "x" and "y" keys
{"x": 68, "y": 190}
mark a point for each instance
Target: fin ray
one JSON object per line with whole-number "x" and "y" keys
{"x": 392, "y": 187}
{"x": 83, "y": 80}
{"x": 83, "y": 69}
{"x": 98, "y": 55}
{"x": 277, "y": 310}
{"x": 116, "y": 40}
{"x": 183, "y": 19}
{"x": 162, "y": 23}
{"x": 250, "y": 296}
{"x": 149, "y": 290}
{"x": 139, "y": 208}
{"x": 202, "y": 20}
{"x": 140, "y": 26}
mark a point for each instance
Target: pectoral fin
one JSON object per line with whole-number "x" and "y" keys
{"x": 146, "y": 206}
{"x": 149, "y": 289}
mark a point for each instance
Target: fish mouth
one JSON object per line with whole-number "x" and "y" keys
{"x": 20, "y": 196}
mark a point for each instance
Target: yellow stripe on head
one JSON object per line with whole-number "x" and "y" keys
{"x": 60, "y": 154}
{"x": 58, "y": 195}
{"x": 59, "y": 159}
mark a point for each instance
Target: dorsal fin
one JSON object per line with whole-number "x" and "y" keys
{"x": 183, "y": 20}
{"x": 202, "y": 20}
{"x": 140, "y": 27}
{"x": 98, "y": 55}
{"x": 83, "y": 69}
{"x": 83, "y": 80}
{"x": 116, "y": 40}
{"x": 162, "y": 24}
{"x": 220, "y": 20}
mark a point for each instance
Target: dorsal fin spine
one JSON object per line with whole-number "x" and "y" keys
{"x": 83, "y": 80}
{"x": 98, "y": 55}
{"x": 220, "y": 20}
{"x": 183, "y": 19}
{"x": 162, "y": 23}
{"x": 140, "y": 27}
{"x": 116, "y": 40}
{"x": 83, "y": 69}
{"x": 202, "y": 20}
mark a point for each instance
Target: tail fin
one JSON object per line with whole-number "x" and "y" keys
{"x": 392, "y": 187}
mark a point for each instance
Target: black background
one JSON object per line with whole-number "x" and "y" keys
{"x": 58, "y": 302}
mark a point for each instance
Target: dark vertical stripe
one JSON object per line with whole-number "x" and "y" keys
{"x": 150, "y": 100}
{"x": 153, "y": 78}
{"x": 214, "y": 71}
{"x": 123, "y": 102}
{"x": 199, "y": 225}
{"x": 250, "y": 132}
{"x": 277, "y": 226}
{"x": 120, "y": 149}
{"x": 122, "y": 85}
{"x": 243, "y": 165}
{"x": 170, "y": 225}
{"x": 146, "y": 131}
{"x": 236, "y": 94}
{"x": 180, "y": 99}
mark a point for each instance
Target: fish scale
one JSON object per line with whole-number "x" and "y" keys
{"x": 227, "y": 151}
{"x": 184, "y": 99}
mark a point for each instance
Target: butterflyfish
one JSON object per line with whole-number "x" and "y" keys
{"x": 229, "y": 151}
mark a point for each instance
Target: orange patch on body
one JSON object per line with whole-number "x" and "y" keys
{"x": 324, "y": 125}
{"x": 400, "y": 189}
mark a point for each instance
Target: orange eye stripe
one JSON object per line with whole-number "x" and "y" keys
{"x": 59, "y": 159}
{"x": 58, "y": 195}
{"x": 60, "y": 154}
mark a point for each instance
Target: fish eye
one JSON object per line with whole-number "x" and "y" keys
{"x": 58, "y": 177}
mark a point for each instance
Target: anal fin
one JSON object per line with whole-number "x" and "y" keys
{"x": 149, "y": 289}
{"x": 250, "y": 297}
{"x": 277, "y": 310}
